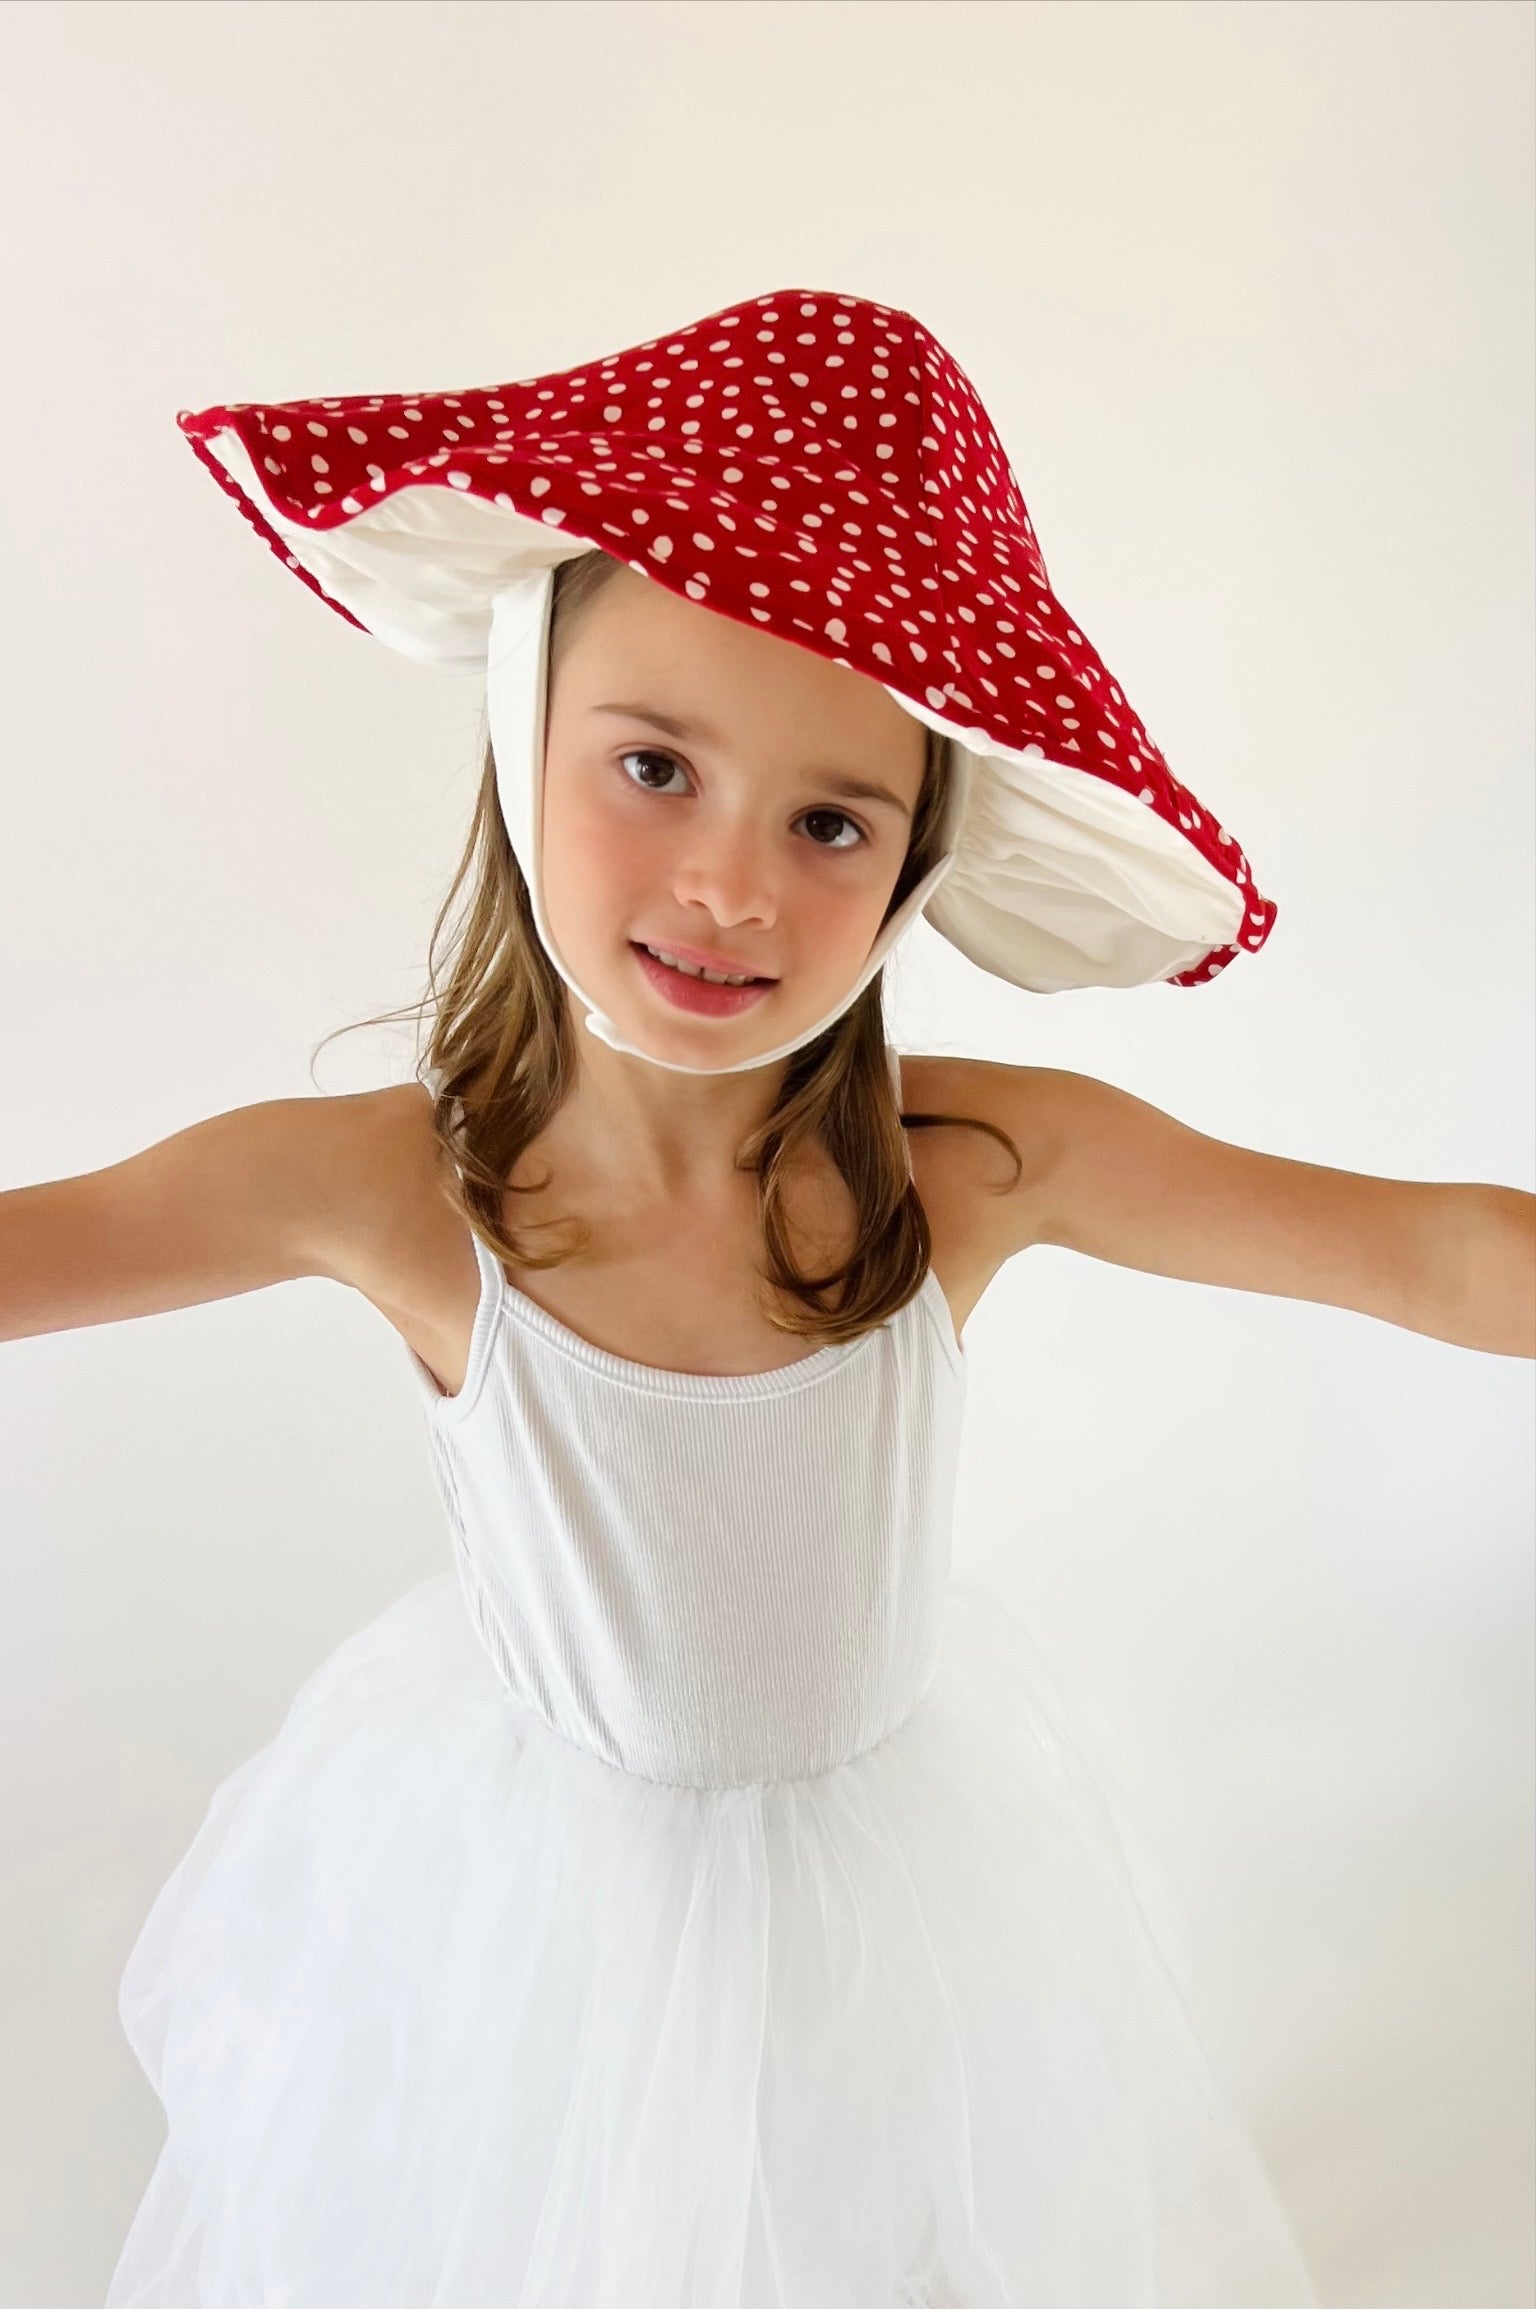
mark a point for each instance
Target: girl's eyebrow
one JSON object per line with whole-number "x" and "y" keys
{"x": 833, "y": 781}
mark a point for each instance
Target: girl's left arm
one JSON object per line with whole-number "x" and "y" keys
{"x": 1118, "y": 1179}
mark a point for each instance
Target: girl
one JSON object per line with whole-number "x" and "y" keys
{"x": 695, "y": 1900}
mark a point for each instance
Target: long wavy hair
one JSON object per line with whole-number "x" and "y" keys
{"x": 501, "y": 1053}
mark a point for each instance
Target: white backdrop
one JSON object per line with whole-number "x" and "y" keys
{"x": 1248, "y": 291}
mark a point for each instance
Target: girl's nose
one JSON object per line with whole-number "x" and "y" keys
{"x": 730, "y": 873}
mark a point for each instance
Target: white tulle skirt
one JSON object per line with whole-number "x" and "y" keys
{"x": 446, "y": 2013}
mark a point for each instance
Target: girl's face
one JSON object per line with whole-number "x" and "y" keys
{"x": 727, "y": 798}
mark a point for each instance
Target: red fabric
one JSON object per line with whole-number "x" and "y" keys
{"x": 806, "y": 462}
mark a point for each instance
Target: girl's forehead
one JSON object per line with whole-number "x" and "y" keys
{"x": 678, "y": 656}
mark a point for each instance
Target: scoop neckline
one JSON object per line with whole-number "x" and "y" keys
{"x": 661, "y": 1378}
{"x": 501, "y": 1298}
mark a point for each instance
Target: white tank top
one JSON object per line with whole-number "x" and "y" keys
{"x": 714, "y": 1581}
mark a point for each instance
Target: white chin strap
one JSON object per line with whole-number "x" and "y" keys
{"x": 516, "y": 666}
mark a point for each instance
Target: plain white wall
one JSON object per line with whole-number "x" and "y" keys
{"x": 1248, "y": 290}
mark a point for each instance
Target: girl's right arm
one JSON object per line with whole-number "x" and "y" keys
{"x": 260, "y": 1195}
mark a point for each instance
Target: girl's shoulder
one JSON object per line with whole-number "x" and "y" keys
{"x": 398, "y": 1240}
{"x": 982, "y": 1207}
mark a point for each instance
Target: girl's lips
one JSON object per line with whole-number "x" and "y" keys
{"x": 697, "y": 994}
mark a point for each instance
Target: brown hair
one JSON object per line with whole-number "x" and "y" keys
{"x": 502, "y": 1044}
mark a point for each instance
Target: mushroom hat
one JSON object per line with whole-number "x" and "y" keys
{"x": 817, "y": 466}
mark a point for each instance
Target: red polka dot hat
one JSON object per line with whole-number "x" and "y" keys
{"x": 817, "y": 466}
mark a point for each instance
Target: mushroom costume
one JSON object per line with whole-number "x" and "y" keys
{"x": 819, "y": 467}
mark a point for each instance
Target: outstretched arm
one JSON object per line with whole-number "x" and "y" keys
{"x": 260, "y": 1195}
{"x": 1120, "y": 1180}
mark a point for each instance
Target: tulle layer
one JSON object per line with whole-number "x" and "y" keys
{"x": 447, "y": 2013}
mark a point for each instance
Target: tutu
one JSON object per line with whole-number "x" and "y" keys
{"x": 447, "y": 2011}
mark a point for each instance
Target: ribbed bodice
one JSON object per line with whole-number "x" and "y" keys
{"x": 710, "y": 1581}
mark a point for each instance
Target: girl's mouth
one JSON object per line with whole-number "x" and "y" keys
{"x": 699, "y": 995}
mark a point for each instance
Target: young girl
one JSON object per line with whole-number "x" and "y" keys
{"x": 695, "y": 1900}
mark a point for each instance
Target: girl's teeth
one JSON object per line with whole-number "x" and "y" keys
{"x": 715, "y": 977}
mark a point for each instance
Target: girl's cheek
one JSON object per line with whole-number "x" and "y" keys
{"x": 583, "y": 827}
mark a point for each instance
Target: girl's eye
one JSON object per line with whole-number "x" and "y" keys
{"x": 838, "y": 818}
{"x": 650, "y": 784}
{"x": 647, "y": 754}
